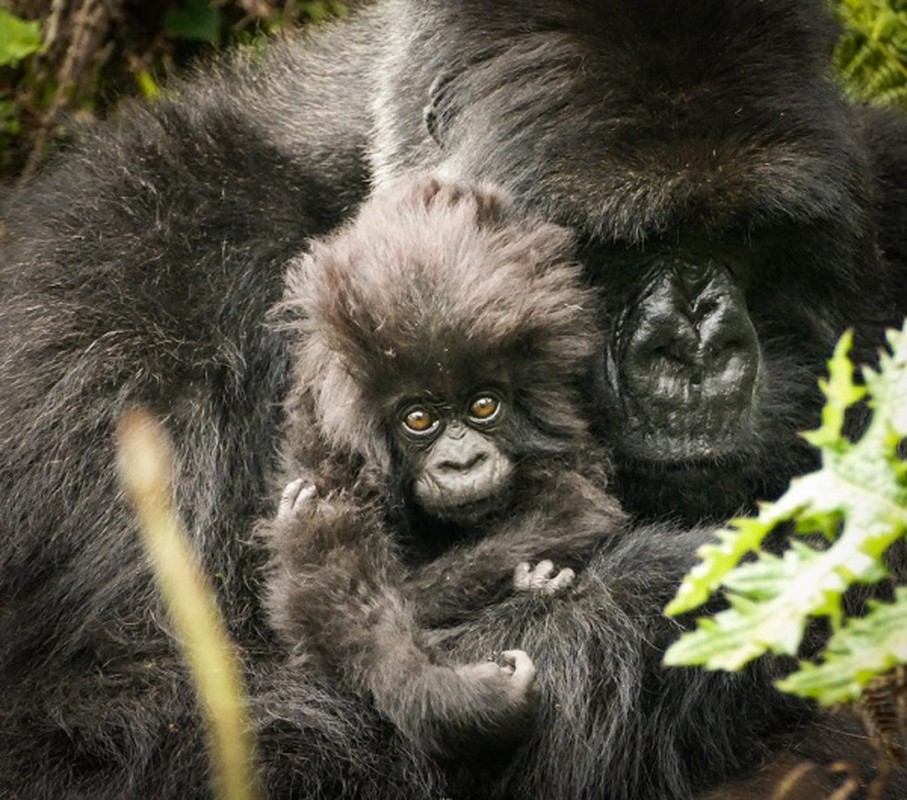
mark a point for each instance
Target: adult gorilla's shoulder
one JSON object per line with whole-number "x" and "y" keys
{"x": 736, "y": 213}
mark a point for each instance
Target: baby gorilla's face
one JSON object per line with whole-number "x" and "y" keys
{"x": 458, "y": 470}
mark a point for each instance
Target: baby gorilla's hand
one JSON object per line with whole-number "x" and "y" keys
{"x": 541, "y": 578}
{"x": 295, "y": 496}
{"x": 513, "y": 679}
{"x": 474, "y": 707}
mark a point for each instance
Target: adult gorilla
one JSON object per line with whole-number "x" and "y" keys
{"x": 739, "y": 216}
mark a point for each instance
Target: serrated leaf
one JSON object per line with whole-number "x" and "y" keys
{"x": 840, "y": 392}
{"x": 857, "y": 653}
{"x": 735, "y": 636}
{"x": 716, "y": 560}
{"x": 728, "y": 645}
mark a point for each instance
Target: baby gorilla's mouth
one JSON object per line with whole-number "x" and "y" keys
{"x": 469, "y": 507}
{"x": 472, "y": 509}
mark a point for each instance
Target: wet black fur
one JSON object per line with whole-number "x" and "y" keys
{"x": 141, "y": 266}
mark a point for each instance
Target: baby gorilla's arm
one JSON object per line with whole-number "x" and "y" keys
{"x": 569, "y": 519}
{"x": 334, "y": 594}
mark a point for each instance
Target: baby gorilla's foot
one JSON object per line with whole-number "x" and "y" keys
{"x": 295, "y": 496}
{"x": 541, "y": 578}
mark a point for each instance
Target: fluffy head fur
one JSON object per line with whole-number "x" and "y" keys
{"x": 434, "y": 288}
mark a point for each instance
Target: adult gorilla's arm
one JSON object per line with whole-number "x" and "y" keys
{"x": 615, "y": 723}
{"x": 139, "y": 270}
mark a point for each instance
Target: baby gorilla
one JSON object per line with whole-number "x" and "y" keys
{"x": 437, "y": 340}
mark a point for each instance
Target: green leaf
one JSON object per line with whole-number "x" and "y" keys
{"x": 148, "y": 86}
{"x": 320, "y": 11}
{"x": 726, "y": 645}
{"x": 19, "y": 38}
{"x": 871, "y": 56}
{"x": 857, "y": 653}
{"x": 840, "y": 392}
{"x": 716, "y": 561}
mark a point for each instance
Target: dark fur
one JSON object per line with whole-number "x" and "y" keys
{"x": 141, "y": 268}
{"x": 431, "y": 290}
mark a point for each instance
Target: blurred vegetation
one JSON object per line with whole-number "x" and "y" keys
{"x": 65, "y": 62}
{"x": 145, "y": 459}
{"x": 872, "y": 54}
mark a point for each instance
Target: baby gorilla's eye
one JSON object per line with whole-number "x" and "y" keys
{"x": 484, "y": 407}
{"x": 420, "y": 420}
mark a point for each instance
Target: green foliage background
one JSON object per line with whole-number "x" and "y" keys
{"x": 66, "y": 62}
{"x": 872, "y": 54}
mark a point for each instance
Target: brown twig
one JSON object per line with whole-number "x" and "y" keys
{"x": 91, "y": 20}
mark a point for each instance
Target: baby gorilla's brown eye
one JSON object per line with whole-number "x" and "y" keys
{"x": 484, "y": 407}
{"x": 419, "y": 420}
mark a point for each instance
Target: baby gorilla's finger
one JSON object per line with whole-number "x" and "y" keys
{"x": 559, "y": 582}
{"x": 521, "y": 667}
{"x": 521, "y": 575}
{"x": 541, "y": 574}
{"x": 296, "y": 494}
{"x": 483, "y": 670}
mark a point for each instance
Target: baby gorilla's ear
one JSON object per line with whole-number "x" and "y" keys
{"x": 440, "y": 109}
